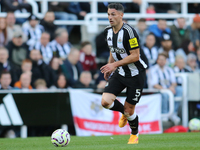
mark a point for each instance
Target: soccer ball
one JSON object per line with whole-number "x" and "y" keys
{"x": 60, "y": 138}
{"x": 194, "y": 124}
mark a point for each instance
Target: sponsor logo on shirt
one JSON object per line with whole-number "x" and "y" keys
{"x": 117, "y": 50}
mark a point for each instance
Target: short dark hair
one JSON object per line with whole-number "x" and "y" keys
{"x": 163, "y": 54}
{"x": 151, "y": 33}
{"x": 83, "y": 44}
{"x": 142, "y": 20}
{"x": 117, "y": 6}
{"x": 4, "y": 72}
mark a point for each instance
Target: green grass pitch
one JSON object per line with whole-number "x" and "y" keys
{"x": 170, "y": 141}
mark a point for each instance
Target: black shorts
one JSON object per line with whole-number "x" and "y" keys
{"x": 117, "y": 83}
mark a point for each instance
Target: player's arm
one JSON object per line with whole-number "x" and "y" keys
{"x": 133, "y": 57}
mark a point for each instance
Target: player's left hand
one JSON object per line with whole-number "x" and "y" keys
{"x": 108, "y": 68}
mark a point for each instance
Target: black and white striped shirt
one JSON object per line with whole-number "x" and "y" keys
{"x": 46, "y": 51}
{"x": 164, "y": 77}
{"x": 33, "y": 34}
{"x": 120, "y": 45}
{"x": 61, "y": 51}
{"x": 151, "y": 54}
{"x": 177, "y": 70}
{"x": 171, "y": 56}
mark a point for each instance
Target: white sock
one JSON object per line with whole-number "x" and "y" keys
{"x": 111, "y": 106}
{"x": 132, "y": 117}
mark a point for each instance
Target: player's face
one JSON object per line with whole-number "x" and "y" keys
{"x": 115, "y": 17}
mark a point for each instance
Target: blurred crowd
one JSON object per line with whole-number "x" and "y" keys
{"x": 36, "y": 54}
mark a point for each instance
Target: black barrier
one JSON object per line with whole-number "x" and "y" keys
{"x": 43, "y": 109}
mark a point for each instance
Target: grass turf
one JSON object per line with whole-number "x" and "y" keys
{"x": 170, "y": 141}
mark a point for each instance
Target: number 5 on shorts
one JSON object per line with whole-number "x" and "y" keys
{"x": 137, "y": 94}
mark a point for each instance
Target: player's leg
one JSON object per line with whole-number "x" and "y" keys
{"x": 133, "y": 92}
{"x": 129, "y": 112}
{"x": 109, "y": 102}
{"x": 112, "y": 89}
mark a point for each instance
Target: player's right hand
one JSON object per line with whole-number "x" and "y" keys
{"x": 107, "y": 75}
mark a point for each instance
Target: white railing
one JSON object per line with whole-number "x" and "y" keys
{"x": 184, "y": 98}
{"x": 91, "y": 19}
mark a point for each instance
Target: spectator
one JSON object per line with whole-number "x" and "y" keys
{"x": 24, "y": 82}
{"x": 61, "y": 82}
{"x": 44, "y": 47}
{"x": 61, "y": 46}
{"x": 41, "y": 70}
{"x": 5, "y": 80}
{"x": 102, "y": 50}
{"x": 32, "y": 30}
{"x": 198, "y": 57}
{"x": 102, "y": 7}
{"x": 192, "y": 65}
{"x": 85, "y": 81}
{"x": 194, "y": 8}
{"x": 75, "y": 8}
{"x": 57, "y": 66}
{"x": 179, "y": 32}
{"x": 194, "y": 32}
{"x": 185, "y": 48}
{"x": 18, "y": 51}
{"x": 178, "y": 68}
{"x": 73, "y": 67}
{"x": 101, "y": 85}
{"x": 158, "y": 29}
{"x": 150, "y": 10}
{"x": 48, "y": 23}
{"x": 142, "y": 31}
{"x": 3, "y": 32}
{"x": 166, "y": 46}
{"x": 12, "y": 27}
{"x": 60, "y": 9}
{"x": 162, "y": 77}
{"x": 5, "y": 64}
{"x": 85, "y": 6}
{"x": 150, "y": 50}
{"x": 17, "y": 6}
{"x": 99, "y": 77}
{"x": 133, "y": 7}
{"x": 171, "y": 8}
{"x": 40, "y": 84}
{"x": 25, "y": 67}
{"x": 87, "y": 58}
